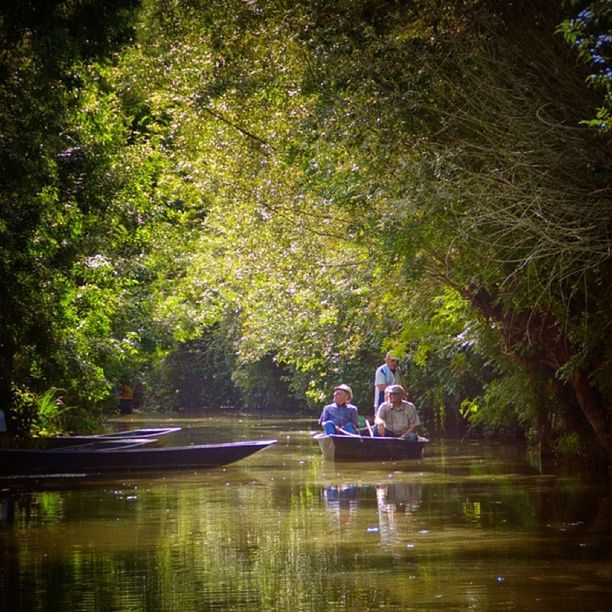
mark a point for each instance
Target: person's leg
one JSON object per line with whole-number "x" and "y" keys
{"x": 350, "y": 428}
{"x": 329, "y": 428}
{"x": 411, "y": 437}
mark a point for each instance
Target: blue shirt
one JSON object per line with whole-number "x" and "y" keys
{"x": 340, "y": 415}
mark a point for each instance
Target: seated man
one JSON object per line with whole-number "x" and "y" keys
{"x": 396, "y": 417}
{"x": 340, "y": 417}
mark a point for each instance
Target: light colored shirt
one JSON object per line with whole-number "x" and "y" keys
{"x": 385, "y": 376}
{"x": 397, "y": 420}
{"x": 340, "y": 415}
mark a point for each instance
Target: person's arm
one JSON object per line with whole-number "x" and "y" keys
{"x": 323, "y": 416}
{"x": 413, "y": 419}
{"x": 379, "y": 420}
{"x": 380, "y": 381}
{"x": 402, "y": 380}
{"x": 410, "y": 429}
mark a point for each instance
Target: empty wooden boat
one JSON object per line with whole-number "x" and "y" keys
{"x": 129, "y": 457}
{"x": 145, "y": 433}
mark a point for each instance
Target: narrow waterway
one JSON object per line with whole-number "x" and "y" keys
{"x": 469, "y": 527}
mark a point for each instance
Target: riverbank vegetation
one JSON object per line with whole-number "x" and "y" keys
{"x": 242, "y": 204}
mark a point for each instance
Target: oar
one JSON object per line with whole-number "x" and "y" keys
{"x": 347, "y": 433}
{"x": 369, "y": 428}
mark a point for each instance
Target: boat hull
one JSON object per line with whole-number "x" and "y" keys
{"x": 18, "y": 462}
{"x": 365, "y": 448}
{"x": 147, "y": 433}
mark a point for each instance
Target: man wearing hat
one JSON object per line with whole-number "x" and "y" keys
{"x": 397, "y": 417}
{"x": 340, "y": 417}
{"x": 387, "y": 374}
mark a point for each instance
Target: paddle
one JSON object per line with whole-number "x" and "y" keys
{"x": 369, "y": 428}
{"x": 347, "y": 433}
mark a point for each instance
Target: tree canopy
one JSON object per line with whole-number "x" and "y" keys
{"x": 306, "y": 185}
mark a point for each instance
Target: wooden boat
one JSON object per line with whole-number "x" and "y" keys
{"x": 124, "y": 456}
{"x": 147, "y": 432}
{"x": 107, "y": 444}
{"x": 141, "y": 434}
{"x": 366, "y": 448}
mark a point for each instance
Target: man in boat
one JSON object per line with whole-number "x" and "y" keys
{"x": 386, "y": 375}
{"x": 397, "y": 417}
{"x": 340, "y": 417}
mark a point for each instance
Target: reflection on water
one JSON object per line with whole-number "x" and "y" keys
{"x": 468, "y": 527}
{"x": 397, "y": 502}
{"x": 341, "y": 501}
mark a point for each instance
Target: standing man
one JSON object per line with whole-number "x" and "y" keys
{"x": 397, "y": 417}
{"x": 340, "y": 417}
{"x": 387, "y": 374}
{"x": 126, "y": 399}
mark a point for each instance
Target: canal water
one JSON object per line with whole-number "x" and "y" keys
{"x": 469, "y": 527}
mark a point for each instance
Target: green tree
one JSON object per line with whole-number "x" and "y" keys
{"x": 330, "y": 180}
{"x": 376, "y": 152}
{"x": 66, "y": 241}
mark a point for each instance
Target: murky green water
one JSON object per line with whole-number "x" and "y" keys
{"x": 467, "y": 528}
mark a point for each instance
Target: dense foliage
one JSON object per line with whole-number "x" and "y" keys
{"x": 59, "y": 291}
{"x": 287, "y": 190}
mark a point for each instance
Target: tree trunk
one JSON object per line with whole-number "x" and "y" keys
{"x": 553, "y": 350}
{"x": 589, "y": 405}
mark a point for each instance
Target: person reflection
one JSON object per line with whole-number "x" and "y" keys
{"x": 6, "y": 510}
{"x": 341, "y": 501}
{"x": 396, "y": 501}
